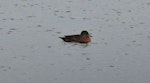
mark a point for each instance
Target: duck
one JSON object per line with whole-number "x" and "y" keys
{"x": 84, "y": 37}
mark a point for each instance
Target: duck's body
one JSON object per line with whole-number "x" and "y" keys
{"x": 84, "y": 37}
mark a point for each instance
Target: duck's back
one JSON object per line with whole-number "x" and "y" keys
{"x": 71, "y": 38}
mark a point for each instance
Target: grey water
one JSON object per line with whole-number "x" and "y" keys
{"x": 31, "y": 51}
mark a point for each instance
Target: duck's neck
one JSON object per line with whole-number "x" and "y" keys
{"x": 88, "y": 39}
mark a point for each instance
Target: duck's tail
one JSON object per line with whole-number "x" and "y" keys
{"x": 65, "y": 39}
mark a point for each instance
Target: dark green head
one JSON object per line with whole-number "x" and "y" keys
{"x": 84, "y": 33}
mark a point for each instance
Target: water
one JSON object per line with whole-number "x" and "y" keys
{"x": 31, "y": 52}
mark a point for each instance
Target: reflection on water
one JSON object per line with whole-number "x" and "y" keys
{"x": 71, "y": 44}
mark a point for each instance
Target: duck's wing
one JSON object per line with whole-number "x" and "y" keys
{"x": 66, "y": 39}
{"x": 70, "y": 38}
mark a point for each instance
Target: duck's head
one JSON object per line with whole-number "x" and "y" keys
{"x": 85, "y": 33}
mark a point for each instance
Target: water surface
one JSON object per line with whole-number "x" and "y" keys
{"x": 31, "y": 52}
